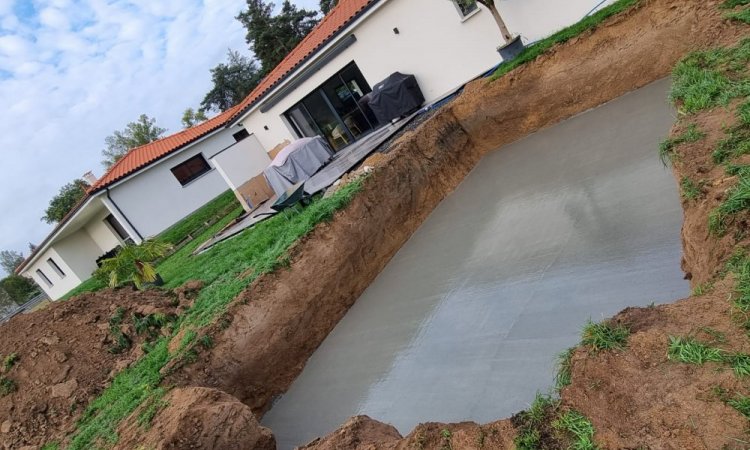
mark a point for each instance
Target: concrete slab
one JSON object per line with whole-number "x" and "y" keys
{"x": 575, "y": 222}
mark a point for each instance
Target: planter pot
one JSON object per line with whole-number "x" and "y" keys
{"x": 158, "y": 282}
{"x": 510, "y": 50}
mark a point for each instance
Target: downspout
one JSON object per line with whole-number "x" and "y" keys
{"x": 109, "y": 197}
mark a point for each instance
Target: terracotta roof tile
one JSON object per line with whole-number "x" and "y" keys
{"x": 336, "y": 20}
{"x": 143, "y": 156}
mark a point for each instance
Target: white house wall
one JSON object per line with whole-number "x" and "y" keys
{"x": 434, "y": 44}
{"x": 241, "y": 162}
{"x": 75, "y": 255}
{"x": 154, "y": 200}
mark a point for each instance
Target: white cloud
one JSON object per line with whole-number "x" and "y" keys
{"x": 79, "y": 70}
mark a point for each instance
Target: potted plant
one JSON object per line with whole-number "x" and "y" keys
{"x": 135, "y": 264}
{"x": 513, "y": 45}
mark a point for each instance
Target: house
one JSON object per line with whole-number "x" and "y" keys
{"x": 143, "y": 194}
{"x": 316, "y": 90}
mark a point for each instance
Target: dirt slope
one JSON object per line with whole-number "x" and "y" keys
{"x": 65, "y": 359}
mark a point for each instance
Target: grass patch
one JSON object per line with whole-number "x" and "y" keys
{"x": 155, "y": 403}
{"x": 194, "y": 224}
{"x": 564, "y": 375}
{"x": 703, "y": 288}
{"x": 51, "y": 446}
{"x": 711, "y": 78}
{"x": 7, "y": 386}
{"x": 539, "y": 48}
{"x": 226, "y": 270}
{"x": 10, "y": 361}
{"x": 736, "y": 143}
{"x": 605, "y": 336}
{"x": 741, "y": 403}
{"x": 691, "y": 351}
{"x": 691, "y": 190}
{"x": 579, "y": 427}
{"x": 737, "y": 201}
{"x": 667, "y": 148}
{"x": 740, "y": 363}
{"x": 740, "y": 16}
{"x": 531, "y": 423}
{"x": 731, "y": 4}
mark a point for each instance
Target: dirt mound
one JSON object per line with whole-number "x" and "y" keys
{"x": 66, "y": 354}
{"x": 359, "y": 433}
{"x": 199, "y": 418}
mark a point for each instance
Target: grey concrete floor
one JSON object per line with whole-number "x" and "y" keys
{"x": 575, "y": 222}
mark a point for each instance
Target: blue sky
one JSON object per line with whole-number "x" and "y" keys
{"x": 73, "y": 71}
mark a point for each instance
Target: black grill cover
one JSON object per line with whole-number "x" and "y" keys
{"x": 396, "y": 96}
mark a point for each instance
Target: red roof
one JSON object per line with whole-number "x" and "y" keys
{"x": 337, "y": 19}
{"x": 141, "y": 157}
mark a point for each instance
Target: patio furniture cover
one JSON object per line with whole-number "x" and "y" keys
{"x": 395, "y": 97}
{"x": 297, "y": 162}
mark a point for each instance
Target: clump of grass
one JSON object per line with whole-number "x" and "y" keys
{"x": 539, "y": 48}
{"x": 742, "y": 404}
{"x": 711, "y": 78}
{"x": 737, "y": 143}
{"x": 10, "y": 361}
{"x": 703, "y": 288}
{"x": 731, "y": 4}
{"x": 447, "y": 439}
{"x": 667, "y": 147}
{"x": 564, "y": 374}
{"x": 743, "y": 113}
{"x": 740, "y": 16}
{"x": 605, "y": 336}
{"x": 531, "y": 422}
{"x": 691, "y": 351}
{"x": 579, "y": 427}
{"x": 740, "y": 363}
{"x": 737, "y": 201}
{"x": 51, "y": 446}
{"x": 7, "y": 386}
{"x": 690, "y": 189}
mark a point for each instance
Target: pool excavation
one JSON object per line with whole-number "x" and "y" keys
{"x": 475, "y": 251}
{"x": 575, "y": 222}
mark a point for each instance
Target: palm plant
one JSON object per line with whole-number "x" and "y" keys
{"x": 134, "y": 263}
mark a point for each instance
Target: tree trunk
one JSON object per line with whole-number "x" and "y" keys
{"x": 490, "y": 4}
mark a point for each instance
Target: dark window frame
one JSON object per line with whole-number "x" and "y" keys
{"x": 55, "y": 267}
{"x": 185, "y": 174}
{"x": 240, "y": 135}
{"x": 115, "y": 226}
{"x": 44, "y": 277}
{"x": 466, "y": 7}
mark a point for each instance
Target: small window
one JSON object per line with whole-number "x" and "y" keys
{"x": 240, "y": 135}
{"x": 117, "y": 227}
{"x": 55, "y": 267}
{"x": 44, "y": 278}
{"x": 191, "y": 169}
{"x": 466, "y": 7}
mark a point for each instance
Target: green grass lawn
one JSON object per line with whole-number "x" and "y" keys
{"x": 252, "y": 253}
{"x": 589, "y": 23}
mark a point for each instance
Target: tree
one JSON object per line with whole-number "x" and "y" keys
{"x": 327, "y": 5}
{"x": 10, "y": 260}
{"x": 490, "y": 5}
{"x": 7, "y": 305}
{"x": 190, "y": 117}
{"x": 270, "y": 37}
{"x": 19, "y": 288}
{"x": 64, "y": 201}
{"x": 232, "y": 81}
{"x": 135, "y": 134}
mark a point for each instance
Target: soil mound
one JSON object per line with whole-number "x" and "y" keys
{"x": 199, "y": 418}
{"x": 56, "y": 360}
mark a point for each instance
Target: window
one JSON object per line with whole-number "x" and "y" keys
{"x": 240, "y": 135}
{"x": 466, "y": 7}
{"x": 55, "y": 267}
{"x": 44, "y": 278}
{"x": 117, "y": 227}
{"x": 191, "y": 169}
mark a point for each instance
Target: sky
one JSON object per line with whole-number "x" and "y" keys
{"x": 74, "y": 71}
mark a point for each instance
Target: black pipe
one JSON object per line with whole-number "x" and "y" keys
{"x": 109, "y": 197}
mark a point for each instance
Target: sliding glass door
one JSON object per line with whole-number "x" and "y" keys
{"x": 334, "y": 110}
